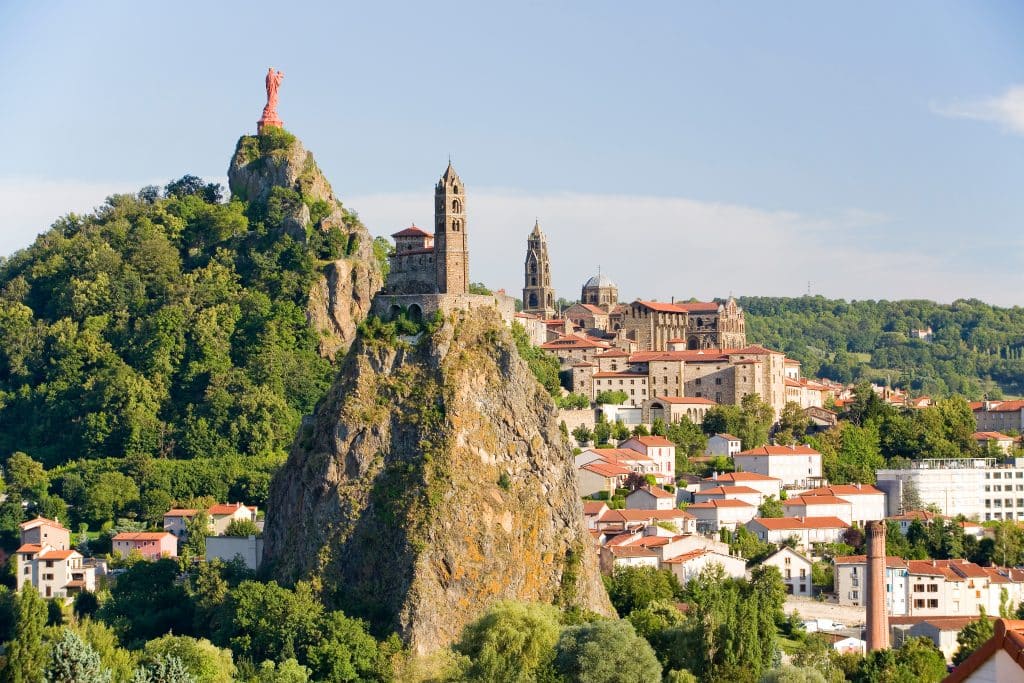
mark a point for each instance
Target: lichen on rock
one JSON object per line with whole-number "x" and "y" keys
{"x": 432, "y": 481}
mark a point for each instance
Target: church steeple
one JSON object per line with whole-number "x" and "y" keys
{"x": 538, "y": 294}
{"x": 451, "y": 253}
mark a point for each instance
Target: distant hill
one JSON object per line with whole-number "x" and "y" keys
{"x": 976, "y": 349}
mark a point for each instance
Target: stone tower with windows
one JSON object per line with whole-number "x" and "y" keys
{"x": 538, "y": 294}
{"x": 451, "y": 256}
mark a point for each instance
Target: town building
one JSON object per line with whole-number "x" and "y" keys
{"x": 42, "y": 531}
{"x": 660, "y": 450}
{"x": 721, "y": 513}
{"x": 575, "y": 349}
{"x": 701, "y": 325}
{"x": 600, "y": 291}
{"x": 746, "y": 494}
{"x": 55, "y": 573}
{"x": 688, "y": 566}
{"x": 589, "y": 317}
{"x": 538, "y": 294}
{"x": 723, "y": 444}
{"x": 977, "y": 488}
{"x": 676, "y": 408}
{"x": 768, "y": 486}
{"x": 867, "y": 503}
{"x": 999, "y": 659}
{"x": 999, "y": 416}
{"x": 600, "y": 477}
{"x": 152, "y": 545}
{"x": 995, "y": 440}
{"x": 850, "y": 577}
{"x": 804, "y": 531}
{"x": 795, "y": 466}
{"x": 795, "y": 569}
{"x": 650, "y": 498}
{"x": 223, "y": 514}
{"x": 228, "y": 548}
{"x": 818, "y": 506}
{"x": 429, "y": 272}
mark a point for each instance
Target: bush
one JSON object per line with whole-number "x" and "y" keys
{"x": 512, "y": 642}
{"x": 616, "y": 397}
{"x": 605, "y": 652}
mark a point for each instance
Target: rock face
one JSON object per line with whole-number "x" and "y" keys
{"x": 431, "y": 481}
{"x": 341, "y": 298}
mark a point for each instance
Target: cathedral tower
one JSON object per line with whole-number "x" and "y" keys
{"x": 538, "y": 294}
{"x": 451, "y": 256}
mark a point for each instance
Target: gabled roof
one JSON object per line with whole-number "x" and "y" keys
{"x": 728, "y": 490}
{"x": 142, "y": 535}
{"x": 843, "y": 490}
{"x": 644, "y": 515}
{"x": 728, "y": 437}
{"x": 1008, "y": 636}
{"x": 655, "y": 491}
{"x": 780, "y": 450}
{"x": 652, "y": 440}
{"x": 412, "y": 231}
{"x": 804, "y": 499}
{"x": 57, "y": 554}
{"x": 786, "y": 523}
{"x": 741, "y": 476}
{"x": 917, "y": 515}
{"x": 613, "y": 455}
{"x": 594, "y": 507}
{"x": 891, "y": 561}
{"x": 39, "y": 521}
{"x": 991, "y": 436}
{"x": 1004, "y": 407}
{"x": 605, "y": 469}
{"x": 225, "y": 509}
{"x": 28, "y": 549}
{"x": 719, "y": 503}
{"x": 630, "y": 551}
{"x": 181, "y": 512}
{"x": 612, "y": 353}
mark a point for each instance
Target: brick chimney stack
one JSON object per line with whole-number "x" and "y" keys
{"x": 877, "y": 617}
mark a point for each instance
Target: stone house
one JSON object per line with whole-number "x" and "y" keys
{"x": 999, "y": 416}
{"x": 700, "y": 325}
{"x": 42, "y": 531}
{"x": 622, "y": 520}
{"x": 588, "y": 317}
{"x": 599, "y": 476}
{"x": 795, "y": 570}
{"x": 152, "y": 545}
{"x": 998, "y": 440}
{"x": 573, "y": 349}
{"x": 676, "y": 408}
{"x": 723, "y": 444}
{"x": 796, "y": 466}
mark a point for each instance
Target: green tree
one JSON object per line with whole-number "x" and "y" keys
{"x": 583, "y": 435}
{"x": 658, "y": 427}
{"x": 972, "y": 636}
{"x": 793, "y": 424}
{"x": 242, "y": 527}
{"x": 345, "y": 652}
{"x": 103, "y": 640}
{"x": 25, "y": 477}
{"x": 771, "y": 507}
{"x": 602, "y": 430}
{"x": 26, "y": 653}
{"x": 203, "y": 660}
{"x": 266, "y": 621}
{"x": 615, "y": 397}
{"x": 620, "y": 432}
{"x": 916, "y": 660}
{"x": 632, "y": 588}
{"x": 73, "y": 661}
{"x": 605, "y": 652}
{"x": 689, "y": 439}
{"x": 512, "y": 642}
{"x": 288, "y": 671}
{"x": 755, "y": 420}
{"x": 146, "y": 602}
{"x": 165, "y": 669}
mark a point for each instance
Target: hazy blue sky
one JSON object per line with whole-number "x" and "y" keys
{"x": 690, "y": 149}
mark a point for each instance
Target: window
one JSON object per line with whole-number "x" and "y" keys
{"x": 697, "y": 382}
{"x": 718, "y": 380}
{"x": 933, "y": 604}
{"x": 919, "y": 588}
{"x": 789, "y": 560}
{"x": 855, "y": 595}
{"x": 933, "y": 588}
{"x": 919, "y": 604}
{"x": 803, "y": 573}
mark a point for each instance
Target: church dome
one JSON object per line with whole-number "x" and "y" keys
{"x": 600, "y": 280}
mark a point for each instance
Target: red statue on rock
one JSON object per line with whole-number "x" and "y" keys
{"x": 269, "y": 117}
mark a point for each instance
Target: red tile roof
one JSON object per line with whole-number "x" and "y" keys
{"x": 815, "y": 500}
{"x": 644, "y": 515}
{"x": 890, "y": 560}
{"x": 683, "y": 400}
{"x": 652, "y": 440}
{"x": 728, "y": 490}
{"x": 741, "y": 476}
{"x": 991, "y": 436}
{"x": 612, "y": 353}
{"x": 40, "y": 520}
{"x": 28, "y": 549}
{"x": 780, "y": 450}
{"x": 181, "y": 512}
{"x": 605, "y": 469}
{"x": 1009, "y": 637}
{"x": 844, "y": 490}
{"x": 630, "y": 551}
{"x": 142, "y": 535}
{"x": 719, "y": 503}
{"x": 412, "y": 231}
{"x": 57, "y": 554}
{"x": 784, "y": 523}
{"x": 655, "y": 491}
{"x": 225, "y": 508}
{"x": 594, "y": 507}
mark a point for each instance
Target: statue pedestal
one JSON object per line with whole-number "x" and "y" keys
{"x": 268, "y": 121}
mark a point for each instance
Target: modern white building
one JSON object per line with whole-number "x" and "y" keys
{"x": 976, "y": 488}
{"x": 850, "y": 577}
{"x": 867, "y": 503}
{"x": 717, "y": 514}
{"x": 796, "y": 466}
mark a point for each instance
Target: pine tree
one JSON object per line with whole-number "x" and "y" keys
{"x": 72, "y": 660}
{"x": 165, "y": 669}
{"x": 26, "y": 654}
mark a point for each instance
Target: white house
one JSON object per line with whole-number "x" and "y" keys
{"x": 850, "y": 573}
{"x": 768, "y": 486}
{"x": 688, "y": 565}
{"x": 1000, "y": 658}
{"x": 592, "y": 511}
{"x": 723, "y": 444}
{"x": 807, "y": 530}
{"x": 54, "y": 573}
{"x": 618, "y": 520}
{"x": 744, "y": 493}
{"x": 867, "y": 502}
{"x": 660, "y": 450}
{"x": 650, "y": 498}
{"x": 818, "y": 506}
{"x": 42, "y": 531}
{"x": 794, "y": 465}
{"x": 717, "y": 514}
{"x": 613, "y": 557}
{"x": 222, "y": 514}
{"x": 795, "y": 570}
{"x": 227, "y": 548}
